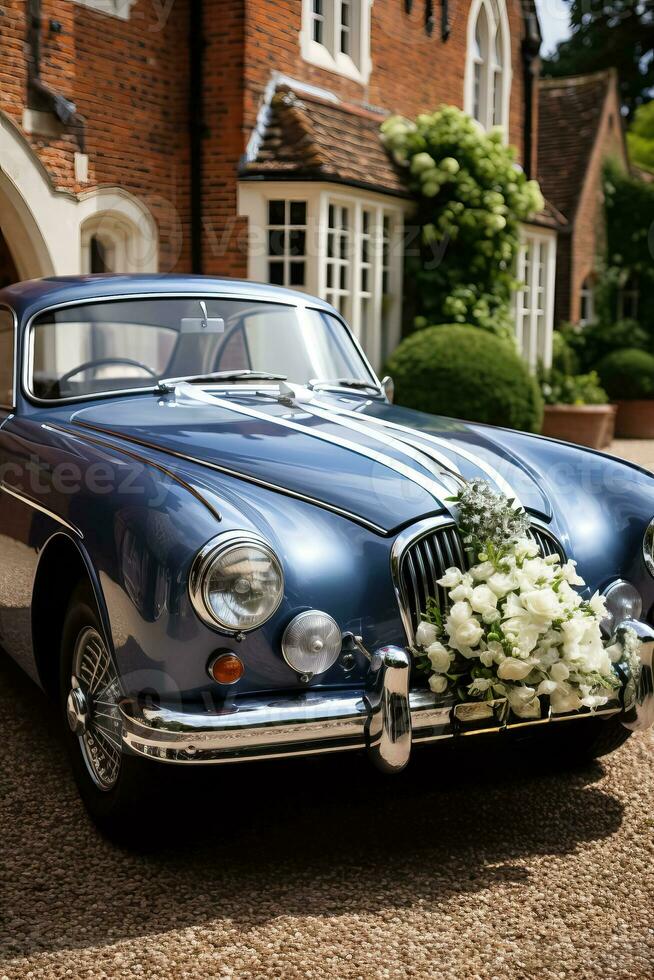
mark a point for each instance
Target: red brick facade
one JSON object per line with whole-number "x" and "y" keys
{"x": 129, "y": 79}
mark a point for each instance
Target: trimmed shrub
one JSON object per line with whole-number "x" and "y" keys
{"x": 628, "y": 374}
{"x": 564, "y": 359}
{"x": 466, "y": 373}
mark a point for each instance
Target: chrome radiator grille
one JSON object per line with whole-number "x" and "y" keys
{"x": 426, "y": 559}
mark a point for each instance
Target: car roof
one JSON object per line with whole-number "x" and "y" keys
{"x": 28, "y": 298}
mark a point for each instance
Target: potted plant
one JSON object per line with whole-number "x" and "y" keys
{"x": 577, "y": 409}
{"x": 628, "y": 376}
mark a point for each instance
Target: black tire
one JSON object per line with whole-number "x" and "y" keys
{"x": 570, "y": 745}
{"x": 122, "y": 811}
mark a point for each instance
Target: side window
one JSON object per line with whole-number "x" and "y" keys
{"x": 6, "y": 359}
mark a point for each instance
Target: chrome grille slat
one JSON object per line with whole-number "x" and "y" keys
{"x": 426, "y": 558}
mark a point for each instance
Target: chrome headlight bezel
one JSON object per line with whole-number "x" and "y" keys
{"x": 613, "y": 594}
{"x": 200, "y": 577}
{"x": 648, "y": 547}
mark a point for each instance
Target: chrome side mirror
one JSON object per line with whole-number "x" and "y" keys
{"x": 388, "y": 387}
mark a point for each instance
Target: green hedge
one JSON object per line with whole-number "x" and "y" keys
{"x": 467, "y": 373}
{"x": 628, "y": 374}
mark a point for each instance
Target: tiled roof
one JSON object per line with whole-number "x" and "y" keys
{"x": 306, "y": 137}
{"x": 569, "y": 113}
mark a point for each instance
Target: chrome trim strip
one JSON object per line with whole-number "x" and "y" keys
{"x": 436, "y": 490}
{"x": 310, "y": 303}
{"x": 386, "y": 719}
{"x": 11, "y": 408}
{"x": 166, "y": 451}
{"x": 42, "y": 510}
{"x": 102, "y": 444}
{"x": 648, "y": 547}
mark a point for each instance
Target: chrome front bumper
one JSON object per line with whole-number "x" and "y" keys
{"x": 387, "y": 719}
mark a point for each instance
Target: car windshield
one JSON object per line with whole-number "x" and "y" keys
{"x": 121, "y": 345}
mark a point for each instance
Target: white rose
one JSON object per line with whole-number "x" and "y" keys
{"x": 594, "y": 701}
{"x": 541, "y": 603}
{"x": 451, "y": 578}
{"x": 501, "y": 583}
{"x": 438, "y": 683}
{"x": 559, "y": 672}
{"x": 439, "y": 658}
{"x": 546, "y": 687}
{"x": 482, "y": 571}
{"x": 527, "y": 638}
{"x": 513, "y": 669}
{"x": 462, "y": 593}
{"x": 563, "y": 700}
{"x": 598, "y": 604}
{"x": 524, "y": 702}
{"x": 569, "y": 571}
{"x": 525, "y": 548}
{"x": 425, "y": 634}
{"x": 483, "y": 600}
{"x": 480, "y": 685}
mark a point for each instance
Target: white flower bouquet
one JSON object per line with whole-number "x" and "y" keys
{"x": 516, "y": 627}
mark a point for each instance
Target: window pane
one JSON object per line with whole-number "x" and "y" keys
{"x": 6, "y": 359}
{"x": 276, "y": 212}
{"x": 276, "y": 241}
{"x": 298, "y": 212}
{"x": 276, "y": 273}
{"x": 297, "y": 273}
{"x": 297, "y": 242}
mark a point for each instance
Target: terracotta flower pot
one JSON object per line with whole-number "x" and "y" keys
{"x": 635, "y": 419}
{"x": 587, "y": 425}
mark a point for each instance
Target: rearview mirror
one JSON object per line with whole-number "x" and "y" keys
{"x": 202, "y": 324}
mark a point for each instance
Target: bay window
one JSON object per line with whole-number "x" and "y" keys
{"x": 336, "y": 36}
{"x": 534, "y": 301}
{"x": 339, "y": 244}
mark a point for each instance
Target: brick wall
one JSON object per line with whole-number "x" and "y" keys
{"x": 129, "y": 80}
{"x": 411, "y": 71}
{"x": 588, "y": 236}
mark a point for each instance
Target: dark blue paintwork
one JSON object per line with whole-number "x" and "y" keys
{"x": 143, "y": 513}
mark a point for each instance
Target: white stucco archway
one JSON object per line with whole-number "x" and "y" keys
{"x": 43, "y": 226}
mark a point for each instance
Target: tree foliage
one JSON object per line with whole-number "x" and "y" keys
{"x": 629, "y": 204}
{"x": 640, "y": 137}
{"x": 619, "y": 34}
{"x": 472, "y": 197}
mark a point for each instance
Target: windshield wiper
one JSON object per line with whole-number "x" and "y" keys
{"x": 357, "y": 383}
{"x": 199, "y": 379}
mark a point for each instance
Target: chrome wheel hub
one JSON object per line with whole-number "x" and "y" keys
{"x": 77, "y": 709}
{"x": 92, "y": 709}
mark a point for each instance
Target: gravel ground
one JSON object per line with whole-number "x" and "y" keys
{"x": 472, "y": 864}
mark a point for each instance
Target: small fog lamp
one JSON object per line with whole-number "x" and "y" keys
{"x": 311, "y": 642}
{"x": 226, "y": 668}
{"x": 623, "y": 602}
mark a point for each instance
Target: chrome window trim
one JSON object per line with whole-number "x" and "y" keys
{"x": 272, "y": 297}
{"x": 197, "y": 581}
{"x": 416, "y": 532}
{"x": 38, "y": 507}
{"x": 12, "y": 311}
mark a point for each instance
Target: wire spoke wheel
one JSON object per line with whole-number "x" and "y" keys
{"x": 92, "y": 708}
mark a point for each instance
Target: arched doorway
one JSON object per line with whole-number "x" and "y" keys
{"x": 8, "y": 270}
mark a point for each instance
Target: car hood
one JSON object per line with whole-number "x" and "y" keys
{"x": 382, "y": 465}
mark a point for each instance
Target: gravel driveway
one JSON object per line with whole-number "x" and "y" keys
{"x": 465, "y": 866}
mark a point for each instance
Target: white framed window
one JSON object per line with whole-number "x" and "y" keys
{"x": 587, "y": 301}
{"x": 534, "y": 300}
{"x": 336, "y": 35}
{"x": 116, "y": 8}
{"x": 487, "y": 85}
{"x": 337, "y": 243}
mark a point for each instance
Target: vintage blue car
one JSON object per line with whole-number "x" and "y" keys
{"x": 217, "y": 534}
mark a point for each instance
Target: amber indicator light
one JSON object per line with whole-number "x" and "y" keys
{"x": 226, "y": 668}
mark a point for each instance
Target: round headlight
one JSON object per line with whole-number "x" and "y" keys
{"x": 623, "y": 602}
{"x": 236, "y": 582}
{"x": 311, "y": 642}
